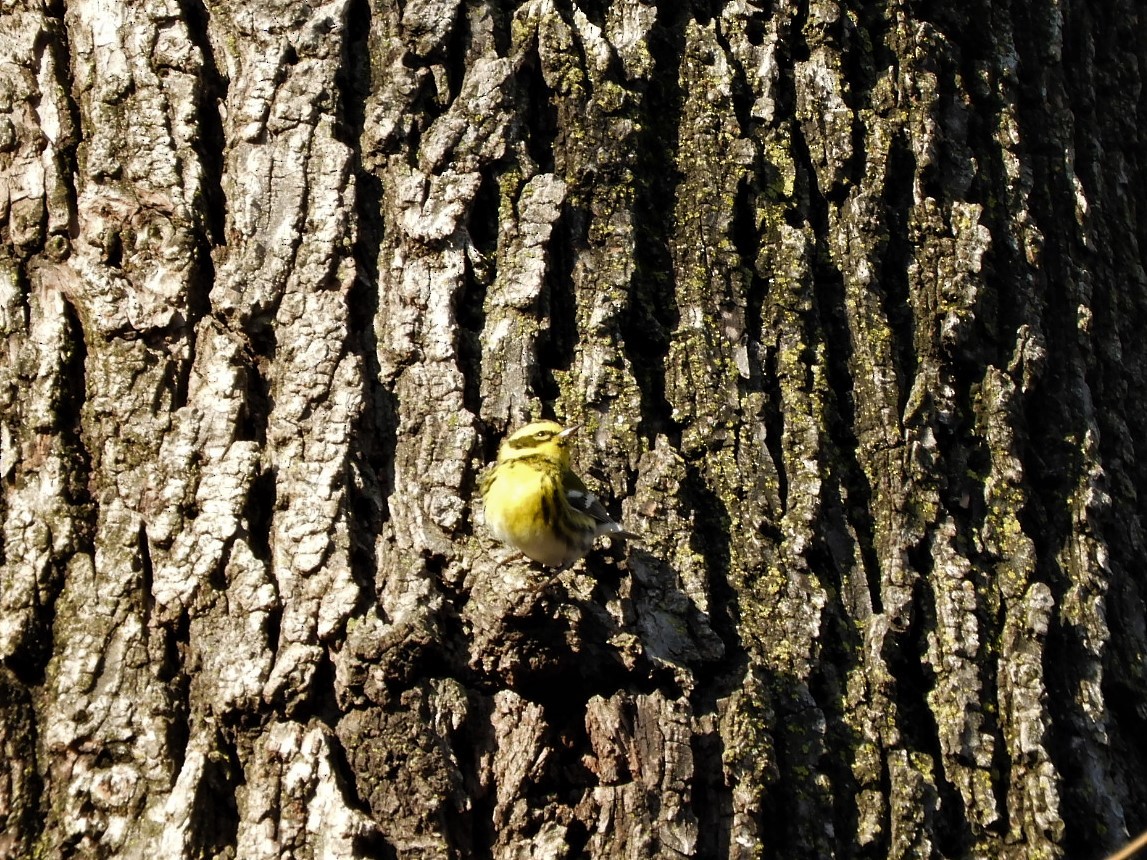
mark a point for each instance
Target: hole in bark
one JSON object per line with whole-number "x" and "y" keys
{"x": 28, "y": 663}
{"x": 373, "y": 846}
{"x": 146, "y": 577}
{"x": 710, "y": 538}
{"x": 455, "y": 53}
{"x": 712, "y": 799}
{"x": 482, "y": 223}
{"x": 755, "y": 31}
{"x": 905, "y": 654}
{"x": 251, "y": 425}
{"x": 651, "y": 314}
{"x": 260, "y": 508}
{"x": 704, "y": 11}
{"x": 212, "y": 91}
{"x": 856, "y": 168}
{"x": 470, "y": 301}
{"x": 799, "y": 50}
{"x": 113, "y": 249}
{"x": 215, "y": 813}
{"x": 837, "y": 194}
{"x": 773, "y": 418}
{"x": 747, "y": 239}
{"x": 178, "y": 732}
{"x": 593, "y": 9}
{"x": 539, "y": 108}
{"x": 373, "y": 452}
{"x": 321, "y": 702}
{"x": 577, "y": 837}
{"x": 353, "y": 76}
{"x": 896, "y": 258}
{"x": 274, "y": 627}
{"x": 557, "y": 342}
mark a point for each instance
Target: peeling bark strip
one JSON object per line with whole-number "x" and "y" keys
{"x": 846, "y": 301}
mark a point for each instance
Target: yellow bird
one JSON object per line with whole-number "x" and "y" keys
{"x": 535, "y": 502}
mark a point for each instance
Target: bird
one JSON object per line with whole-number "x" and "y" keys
{"x": 536, "y": 503}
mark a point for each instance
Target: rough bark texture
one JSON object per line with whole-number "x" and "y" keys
{"x": 847, "y": 299}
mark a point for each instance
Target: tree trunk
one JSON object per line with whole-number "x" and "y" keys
{"x": 847, "y": 302}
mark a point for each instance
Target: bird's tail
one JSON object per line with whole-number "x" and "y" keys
{"x": 610, "y": 529}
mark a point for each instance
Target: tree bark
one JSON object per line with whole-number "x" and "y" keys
{"x": 846, "y": 301}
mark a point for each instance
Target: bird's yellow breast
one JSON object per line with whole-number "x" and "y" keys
{"x": 517, "y": 512}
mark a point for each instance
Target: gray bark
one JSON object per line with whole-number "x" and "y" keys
{"x": 845, "y": 298}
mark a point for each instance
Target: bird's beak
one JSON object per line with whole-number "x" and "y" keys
{"x": 569, "y": 431}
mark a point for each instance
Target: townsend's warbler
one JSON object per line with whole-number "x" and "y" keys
{"x": 533, "y": 500}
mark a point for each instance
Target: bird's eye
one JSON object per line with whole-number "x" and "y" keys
{"x": 545, "y": 436}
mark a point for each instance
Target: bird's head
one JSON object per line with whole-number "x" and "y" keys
{"x": 542, "y": 438}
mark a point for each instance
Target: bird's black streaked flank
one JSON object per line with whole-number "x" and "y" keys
{"x": 535, "y": 502}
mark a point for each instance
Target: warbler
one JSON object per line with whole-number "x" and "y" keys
{"x": 535, "y": 502}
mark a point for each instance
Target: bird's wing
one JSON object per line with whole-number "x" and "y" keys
{"x": 581, "y": 499}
